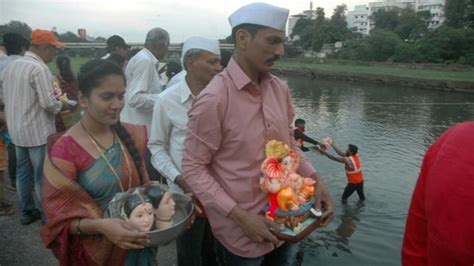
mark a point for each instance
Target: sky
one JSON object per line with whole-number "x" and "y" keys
{"x": 133, "y": 18}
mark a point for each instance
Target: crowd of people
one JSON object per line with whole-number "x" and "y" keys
{"x": 116, "y": 126}
{"x": 190, "y": 133}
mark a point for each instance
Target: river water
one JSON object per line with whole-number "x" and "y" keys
{"x": 392, "y": 127}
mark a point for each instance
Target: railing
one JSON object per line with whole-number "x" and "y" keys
{"x": 94, "y": 45}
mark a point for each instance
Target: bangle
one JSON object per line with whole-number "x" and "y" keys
{"x": 78, "y": 227}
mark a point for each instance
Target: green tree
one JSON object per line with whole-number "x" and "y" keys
{"x": 446, "y": 44}
{"x": 16, "y": 26}
{"x": 382, "y": 45}
{"x": 459, "y": 13}
{"x": 303, "y": 29}
{"x": 337, "y": 30}
{"x": 330, "y": 30}
{"x": 318, "y": 32}
{"x": 353, "y": 50}
{"x": 385, "y": 19}
{"x": 69, "y": 37}
{"x": 406, "y": 23}
{"x": 314, "y": 33}
{"x": 408, "y": 54}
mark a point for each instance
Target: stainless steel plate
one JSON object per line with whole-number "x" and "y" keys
{"x": 181, "y": 219}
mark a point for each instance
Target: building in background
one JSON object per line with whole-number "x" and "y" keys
{"x": 436, "y": 8}
{"x": 358, "y": 20}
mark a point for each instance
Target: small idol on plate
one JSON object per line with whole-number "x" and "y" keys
{"x": 290, "y": 196}
{"x": 137, "y": 210}
{"x": 163, "y": 205}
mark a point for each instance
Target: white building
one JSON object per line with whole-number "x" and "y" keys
{"x": 436, "y": 8}
{"x": 358, "y": 19}
{"x": 391, "y": 4}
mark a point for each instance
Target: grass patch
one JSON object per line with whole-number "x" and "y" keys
{"x": 378, "y": 70}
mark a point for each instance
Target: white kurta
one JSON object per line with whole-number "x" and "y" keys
{"x": 168, "y": 130}
{"x": 143, "y": 87}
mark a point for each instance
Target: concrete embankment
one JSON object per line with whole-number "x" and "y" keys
{"x": 421, "y": 83}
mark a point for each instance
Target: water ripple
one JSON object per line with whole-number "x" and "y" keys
{"x": 393, "y": 128}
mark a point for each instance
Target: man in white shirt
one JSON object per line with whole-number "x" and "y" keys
{"x": 144, "y": 85}
{"x": 168, "y": 130}
{"x": 181, "y": 74}
{"x": 225, "y": 58}
{"x": 143, "y": 81}
{"x": 30, "y": 109}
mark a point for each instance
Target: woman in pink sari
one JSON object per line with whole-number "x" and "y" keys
{"x": 86, "y": 166}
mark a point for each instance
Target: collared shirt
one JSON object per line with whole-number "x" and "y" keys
{"x": 229, "y": 124}
{"x": 176, "y": 79}
{"x": 143, "y": 86}
{"x": 3, "y": 64}
{"x": 30, "y": 106}
{"x": 168, "y": 130}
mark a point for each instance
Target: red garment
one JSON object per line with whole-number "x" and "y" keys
{"x": 440, "y": 223}
{"x": 356, "y": 176}
{"x": 69, "y": 87}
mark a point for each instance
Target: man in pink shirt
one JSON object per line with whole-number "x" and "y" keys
{"x": 230, "y": 122}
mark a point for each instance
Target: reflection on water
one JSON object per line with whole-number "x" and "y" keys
{"x": 393, "y": 127}
{"x": 347, "y": 226}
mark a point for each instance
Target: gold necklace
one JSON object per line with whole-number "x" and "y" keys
{"x": 117, "y": 177}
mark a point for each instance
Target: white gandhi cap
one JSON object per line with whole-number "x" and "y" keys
{"x": 260, "y": 14}
{"x": 200, "y": 43}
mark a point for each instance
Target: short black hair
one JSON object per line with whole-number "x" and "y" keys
{"x": 353, "y": 148}
{"x": 299, "y": 121}
{"x": 14, "y": 43}
{"x": 92, "y": 73}
{"x": 251, "y": 28}
{"x": 115, "y": 41}
{"x": 173, "y": 68}
{"x": 64, "y": 65}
